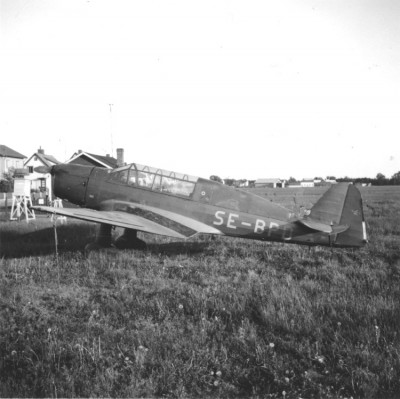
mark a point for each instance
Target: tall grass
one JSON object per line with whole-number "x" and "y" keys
{"x": 211, "y": 317}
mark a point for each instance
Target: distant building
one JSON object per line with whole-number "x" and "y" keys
{"x": 294, "y": 184}
{"x": 319, "y": 181}
{"x": 10, "y": 160}
{"x": 270, "y": 182}
{"x": 40, "y": 182}
{"x": 107, "y": 161}
{"x": 242, "y": 183}
{"x": 331, "y": 180}
{"x": 307, "y": 183}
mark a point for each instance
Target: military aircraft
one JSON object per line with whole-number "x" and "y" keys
{"x": 152, "y": 200}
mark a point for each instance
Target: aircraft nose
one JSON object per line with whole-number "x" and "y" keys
{"x": 70, "y": 181}
{"x": 44, "y": 169}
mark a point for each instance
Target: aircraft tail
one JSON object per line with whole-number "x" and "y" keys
{"x": 341, "y": 208}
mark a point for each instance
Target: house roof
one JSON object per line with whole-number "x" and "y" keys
{"x": 9, "y": 152}
{"x": 107, "y": 161}
{"x": 50, "y": 158}
{"x": 47, "y": 160}
{"x": 110, "y": 161}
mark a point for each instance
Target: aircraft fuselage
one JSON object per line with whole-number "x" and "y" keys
{"x": 229, "y": 211}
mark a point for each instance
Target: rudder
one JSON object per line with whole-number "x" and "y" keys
{"x": 353, "y": 216}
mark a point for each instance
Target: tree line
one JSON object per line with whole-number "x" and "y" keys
{"x": 379, "y": 180}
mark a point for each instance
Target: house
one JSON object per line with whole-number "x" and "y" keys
{"x": 331, "y": 180}
{"x": 107, "y": 161}
{"x": 274, "y": 182}
{"x": 242, "y": 183}
{"x": 10, "y": 160}
{"x": 40, "y": 182}
{"x": 319, "y": 181}
{"x": 307, "y": 183}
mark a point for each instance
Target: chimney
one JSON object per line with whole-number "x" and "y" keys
{"x": 40, "y": 151}
{"x": 120, "y": 156}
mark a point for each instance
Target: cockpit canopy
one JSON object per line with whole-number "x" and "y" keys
{"x": 155, "y": 179}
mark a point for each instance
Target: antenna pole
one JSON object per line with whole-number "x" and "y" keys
{"x": 111, "y": 133}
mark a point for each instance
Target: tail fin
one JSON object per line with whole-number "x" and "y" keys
{"x": 341, "y": 205}
{"x": 353, "y": 215}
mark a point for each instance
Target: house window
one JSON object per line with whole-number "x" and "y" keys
{"x": 30, "y": 169}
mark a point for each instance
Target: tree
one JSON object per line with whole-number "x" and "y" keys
{"x": 395, "y": 179}
{"x": 229, "y": 182}
{"x": 7, "y": 182}
{"x": 292, "y": 180}
{"x": 380, "y": 179}
{"x": 216, "y": 178}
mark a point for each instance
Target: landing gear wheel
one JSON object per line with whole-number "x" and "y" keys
{"x": 129, "y": 240}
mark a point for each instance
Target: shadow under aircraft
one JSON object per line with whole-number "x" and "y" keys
{"x": 152, "y": 200}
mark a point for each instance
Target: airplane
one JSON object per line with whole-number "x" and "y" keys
{"x": 146, "y": 199}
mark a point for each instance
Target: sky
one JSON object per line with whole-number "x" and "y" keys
{"x": 241, "y": 89}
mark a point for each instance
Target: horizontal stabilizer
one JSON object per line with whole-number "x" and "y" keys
{"x": 323, "y": 227}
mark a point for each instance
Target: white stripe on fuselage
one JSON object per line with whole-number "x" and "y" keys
{"x": 364, "y": 231}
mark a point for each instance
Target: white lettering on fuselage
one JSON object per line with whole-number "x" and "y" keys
{"x": 218, "y": 216}
{"x": 272, "y": 226}
{"x": 232, "y": 219}
{"x": 260, "y": 226}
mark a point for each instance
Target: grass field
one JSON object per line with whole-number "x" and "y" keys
{"x": 206, "y": 318}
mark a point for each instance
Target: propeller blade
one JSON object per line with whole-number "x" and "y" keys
{"x": 43, "y": 169}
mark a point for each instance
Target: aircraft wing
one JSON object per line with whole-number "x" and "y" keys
{"x": 182, "y": 224}
{"x": 137, "y": 217}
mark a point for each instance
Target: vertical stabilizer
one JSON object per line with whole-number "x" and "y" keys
{"x": 342, "y": 205}
{"x": 352, "y": 215}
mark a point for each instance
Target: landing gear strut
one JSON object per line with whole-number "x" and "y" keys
{"x": 129, "y": 240}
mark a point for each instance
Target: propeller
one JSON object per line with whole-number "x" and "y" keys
{"x": 43, "y": 169}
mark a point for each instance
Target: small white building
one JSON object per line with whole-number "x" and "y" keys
{"x": 307, "y": 183}
{"x": 269, "y": 182}
{"x": 41, "y": 183}
{"x": 331, "y": 180}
